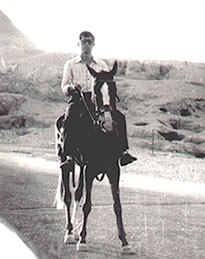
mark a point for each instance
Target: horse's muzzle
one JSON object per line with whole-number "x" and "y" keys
{"x": 106, "y": 108}
{"x": 108, "y": 121}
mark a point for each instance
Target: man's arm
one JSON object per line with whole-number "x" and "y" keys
{"x": 67, "y": 85}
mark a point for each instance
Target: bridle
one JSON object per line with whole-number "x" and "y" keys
{"x": 109, "y": 81}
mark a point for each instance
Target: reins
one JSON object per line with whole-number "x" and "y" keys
{"x": 86, "y": 107}
{"x": 94, "y": 122}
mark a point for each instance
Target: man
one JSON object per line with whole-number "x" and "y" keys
{"x": 76, "y": 76}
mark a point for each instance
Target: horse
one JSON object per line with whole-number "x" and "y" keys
{"x": 98, "y": 154}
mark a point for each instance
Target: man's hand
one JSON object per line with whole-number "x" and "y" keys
{"x": 78, "y": 87}
{"x": 70, "y": 90}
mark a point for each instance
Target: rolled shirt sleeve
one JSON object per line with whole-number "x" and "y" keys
{"x": 67, "y": 78}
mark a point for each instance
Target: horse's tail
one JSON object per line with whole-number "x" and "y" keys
{"x": 58, "y": 199}
{"x": 58, "y": 137}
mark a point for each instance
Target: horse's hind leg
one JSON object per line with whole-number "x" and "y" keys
{"x": 86, "y": 209}
{"x": 113, "y": 177}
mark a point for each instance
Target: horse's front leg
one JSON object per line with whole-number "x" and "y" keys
{"x": 113, "y": 176}
{"x": 67, "y": 200}
{"x": 77, "y": 197}
{"x": 86, "y": 209}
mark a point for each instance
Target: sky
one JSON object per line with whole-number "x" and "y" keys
{"x": 130, "y": 29}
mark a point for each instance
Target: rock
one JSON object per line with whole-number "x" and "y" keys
{"x": 185, "y": 112}
{"x": 171, "y": 135}
{"x": 10, "y": 103}
{"x": 195, "y": 150}
{"x": 135, "y": 70}
{"x": 164, "y": 71}
{"x": 184, "y": 107}
{"x": 8, "y": 122}
{"x": 21, "y": 121}
{"x": 157, "y": 70}
{"x": 152, "y": 71}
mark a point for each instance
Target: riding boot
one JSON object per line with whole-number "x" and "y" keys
{"x": 126, "y": 158}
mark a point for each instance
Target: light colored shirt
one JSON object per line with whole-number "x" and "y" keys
{"x": 76, "y": 73}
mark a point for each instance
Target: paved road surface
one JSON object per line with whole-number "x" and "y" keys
{"x": 160, "y": 222}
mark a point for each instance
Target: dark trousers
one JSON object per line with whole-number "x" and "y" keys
{"x": 120, "y": 121}
{"x": 72, "y": 124}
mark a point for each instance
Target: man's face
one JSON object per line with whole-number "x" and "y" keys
{"x": 86, "y": 44}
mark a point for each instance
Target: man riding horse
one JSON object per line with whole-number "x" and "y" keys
{"x": 78, "y": 81}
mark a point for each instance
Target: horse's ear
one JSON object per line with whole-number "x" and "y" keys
{"x": 92, "y": 71}
{"x": 114, "y": 69}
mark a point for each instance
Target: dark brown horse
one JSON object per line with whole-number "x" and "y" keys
{"x": 98, "y": 153}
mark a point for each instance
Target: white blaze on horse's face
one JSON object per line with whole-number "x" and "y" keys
{"x": 105, "y": 92}
{"x": 105, "y": 95}
{"x": 108, "y": 121}
{"x": 106, "y": 108}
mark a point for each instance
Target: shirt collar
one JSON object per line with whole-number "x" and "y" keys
{"x": 78, "y": 59}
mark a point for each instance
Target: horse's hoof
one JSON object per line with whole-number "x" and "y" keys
{"x": 81, "y": 247}
{"x": 127, "y": 250}
{"x": 76, "y": 236}
{"x": 69, "y": 239}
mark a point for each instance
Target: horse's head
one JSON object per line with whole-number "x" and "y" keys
{"x": 105, "y": 88}
{"x": 105, "y": 91}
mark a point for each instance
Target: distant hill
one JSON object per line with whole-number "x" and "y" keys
{"x": 14, "y": 44}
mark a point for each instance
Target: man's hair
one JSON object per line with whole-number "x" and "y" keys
{"x": 86, "y": 34}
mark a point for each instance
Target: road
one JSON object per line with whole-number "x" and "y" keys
{"x": 159, "y": 222}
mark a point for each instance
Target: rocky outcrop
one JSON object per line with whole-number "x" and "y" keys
{"x": 166, "y": 115}
{"x": 158, "y": 70}
{"x": 10, "y": 103}
{"x": 9, "y": 122}
{"x": 35, "y": 87}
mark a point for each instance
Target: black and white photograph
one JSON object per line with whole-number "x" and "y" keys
{"x": 102, "y": 129}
